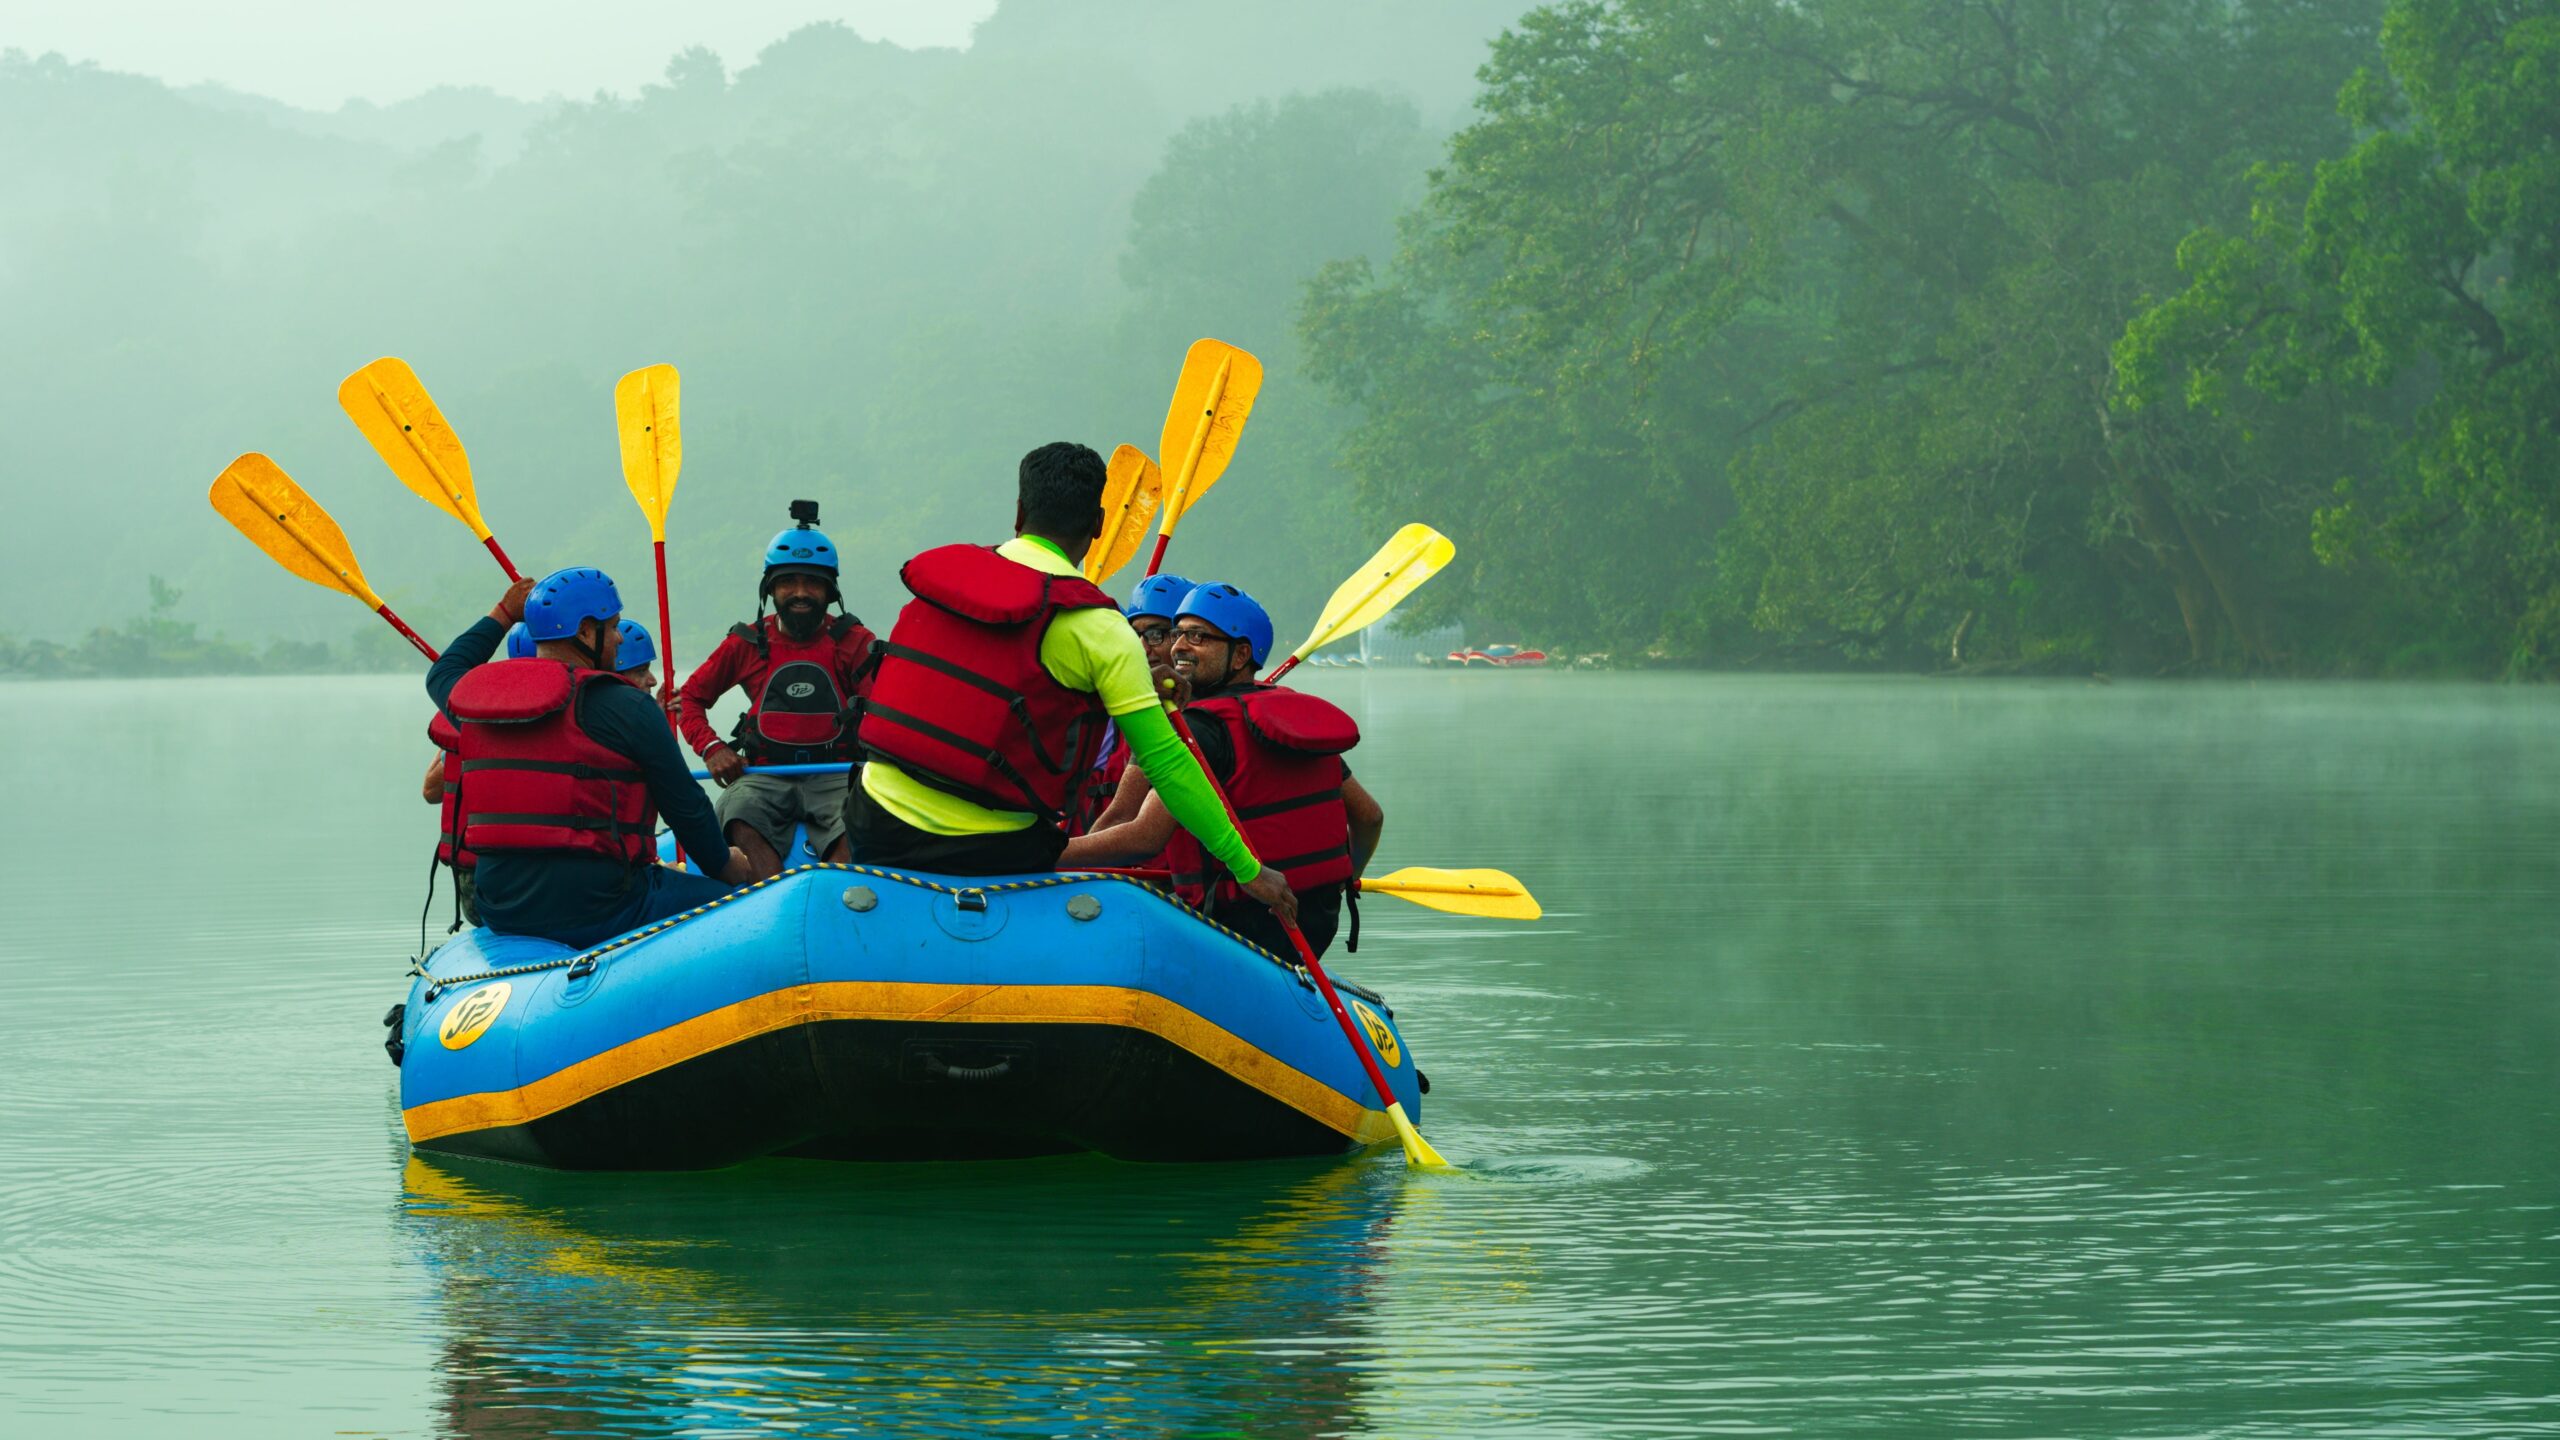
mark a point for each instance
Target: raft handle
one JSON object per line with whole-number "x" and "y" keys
{"x": 971, "y": 899}
{"x": 948, "y": 1071}
{"x": 582, "y": 967}
{"x": 925, "y": 1063}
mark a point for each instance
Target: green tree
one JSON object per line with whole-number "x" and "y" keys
{"x": 2411, "y": 284}
{"x": 1732, "y": 317}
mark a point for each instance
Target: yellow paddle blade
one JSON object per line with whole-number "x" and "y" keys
{"x": 1487, "y": 893}
{"x": 410, "y": 434}
{"x": 1210, "y": 403}
{"x": 1415, "y": 554}
{"x": 263, "y": 503}
{"x": 644, "y": 410}
{"x": 1129, "y": 500}
{"x": 1418, "y": 1154}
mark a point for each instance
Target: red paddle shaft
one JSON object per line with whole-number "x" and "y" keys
{"x": 1285, "y": 667}
{"x": 1155, "y": 562}
{"x": 666, "y": 661}
{"x": 1297, "y": 937}
{"x": 503, "y": 562}
{"x": 408, "y": 634}
{"x": 666, "y": 642}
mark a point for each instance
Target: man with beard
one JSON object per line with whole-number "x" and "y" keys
{"x": 803, "y": 672}
{"x": 1278, "y": 754}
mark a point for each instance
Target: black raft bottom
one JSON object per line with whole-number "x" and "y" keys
{"x": 916, "y": 1090}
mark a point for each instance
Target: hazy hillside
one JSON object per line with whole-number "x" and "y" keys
{"x": 884, "y": 273}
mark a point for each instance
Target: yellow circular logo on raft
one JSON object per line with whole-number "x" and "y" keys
{"x": 1390, "y": 1054}
{"x": 471, "y": 1015}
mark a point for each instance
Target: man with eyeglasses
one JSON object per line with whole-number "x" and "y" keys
{"x": 991, "y": 695}
{"x": 1278, "y": 754}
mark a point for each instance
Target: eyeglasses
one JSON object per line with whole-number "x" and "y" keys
{"x": 1199, "y": 635}
{"x": 1155, "y": 634}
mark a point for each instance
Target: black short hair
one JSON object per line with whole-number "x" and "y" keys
{"x": 1062, "y": 489}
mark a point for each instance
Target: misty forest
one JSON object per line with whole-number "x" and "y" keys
{"x": 2143, "y": 337}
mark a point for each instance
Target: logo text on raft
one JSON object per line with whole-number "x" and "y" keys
{"x": 470, "y": 1015}
{"x": 1390, "y": 1054}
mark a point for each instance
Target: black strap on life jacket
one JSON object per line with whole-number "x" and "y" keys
{"x": 1014, "y": 700}
{"x": 1029, "y": 799}
{"x": 569, "y": 822}
{"x": 573, "y": 768}
{"x": 1292, "y": 862}
{"x": 754, "y": 633}
{"x": 1295, "y": 802}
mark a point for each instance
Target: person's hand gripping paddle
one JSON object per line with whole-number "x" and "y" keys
{"x": 1210, "y": 402}
{"x": 1414, "y": 554}
{"x": 644, "y": 412}
{"x": 1130, "y": 498}
{"x": 410, "y": 434}
{"x": 263, "y": 503}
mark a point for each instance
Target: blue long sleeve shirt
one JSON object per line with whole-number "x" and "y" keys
{"x": 549, "y": 893}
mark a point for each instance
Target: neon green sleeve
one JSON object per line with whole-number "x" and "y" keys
{"x": 1187, "y": 791}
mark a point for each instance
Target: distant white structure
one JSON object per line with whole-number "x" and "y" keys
{"x": 1385, "y": 646}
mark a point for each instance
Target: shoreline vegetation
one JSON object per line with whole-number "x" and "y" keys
{"x": 1913, "y": 336}
{"x": 158, "y": 645}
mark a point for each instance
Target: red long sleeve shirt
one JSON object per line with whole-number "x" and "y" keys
{"x": 737, "y": 661}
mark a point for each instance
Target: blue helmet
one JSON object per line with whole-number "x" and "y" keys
{"x": 519, "y": 642}
{"x": 1157, "y": 595}
{"x": 566, "y": 597}
{"x": 804, "y": 549}
{"x": 1238, "y": 615}
{"x": 637, "y": 649}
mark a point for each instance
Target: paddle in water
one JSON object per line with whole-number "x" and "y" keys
{"x": 1486, "y": 894}
{"x": 263, "y": 503}
{"x": 400, "y": 418}
{"x": 1417, "y": 1151}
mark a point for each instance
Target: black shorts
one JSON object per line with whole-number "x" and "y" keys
{"x": 880, "y": 838}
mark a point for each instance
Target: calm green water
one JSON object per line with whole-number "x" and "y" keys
{"x": 1897, "y": 1058}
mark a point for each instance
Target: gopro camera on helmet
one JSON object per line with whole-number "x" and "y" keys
{"x": 805, "y": 512}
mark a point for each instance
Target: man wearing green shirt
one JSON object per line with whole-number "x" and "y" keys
{"x": 992, "y": 693}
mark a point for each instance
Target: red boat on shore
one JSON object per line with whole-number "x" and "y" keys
{"x": 1505, "y": 656}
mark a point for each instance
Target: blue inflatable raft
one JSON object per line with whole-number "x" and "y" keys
{"x": 851, "y": 1012}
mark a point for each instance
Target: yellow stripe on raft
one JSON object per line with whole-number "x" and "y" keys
{"x": 898, "y": 1000}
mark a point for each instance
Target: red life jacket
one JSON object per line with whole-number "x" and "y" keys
{"x": 1101, "y": 782}
{"x": 961, "y": 701}
{"x": 798, "y": 710}
{"x": 1287, "y": 790}
{"x": 533, "y": 780}
{"x": 449, "y": 740}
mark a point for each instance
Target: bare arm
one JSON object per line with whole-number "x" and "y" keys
{"x": 1132, "y": 843}
{"x": 1134, "y": 789}
{"x": 434, "y": 788}
{"x": 1368, "y": 821}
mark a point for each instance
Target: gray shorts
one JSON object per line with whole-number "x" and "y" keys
{"x": 772, "y": 804}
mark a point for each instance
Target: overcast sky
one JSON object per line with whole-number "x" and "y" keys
{"x": 319, "y": 53}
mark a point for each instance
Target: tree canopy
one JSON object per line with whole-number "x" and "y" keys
{"x": 1744, "y": 330}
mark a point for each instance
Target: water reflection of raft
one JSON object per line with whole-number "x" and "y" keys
{"x": 847, "y": 1012}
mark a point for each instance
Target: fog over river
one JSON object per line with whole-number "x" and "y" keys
{"x": 1897, "y": 1057}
